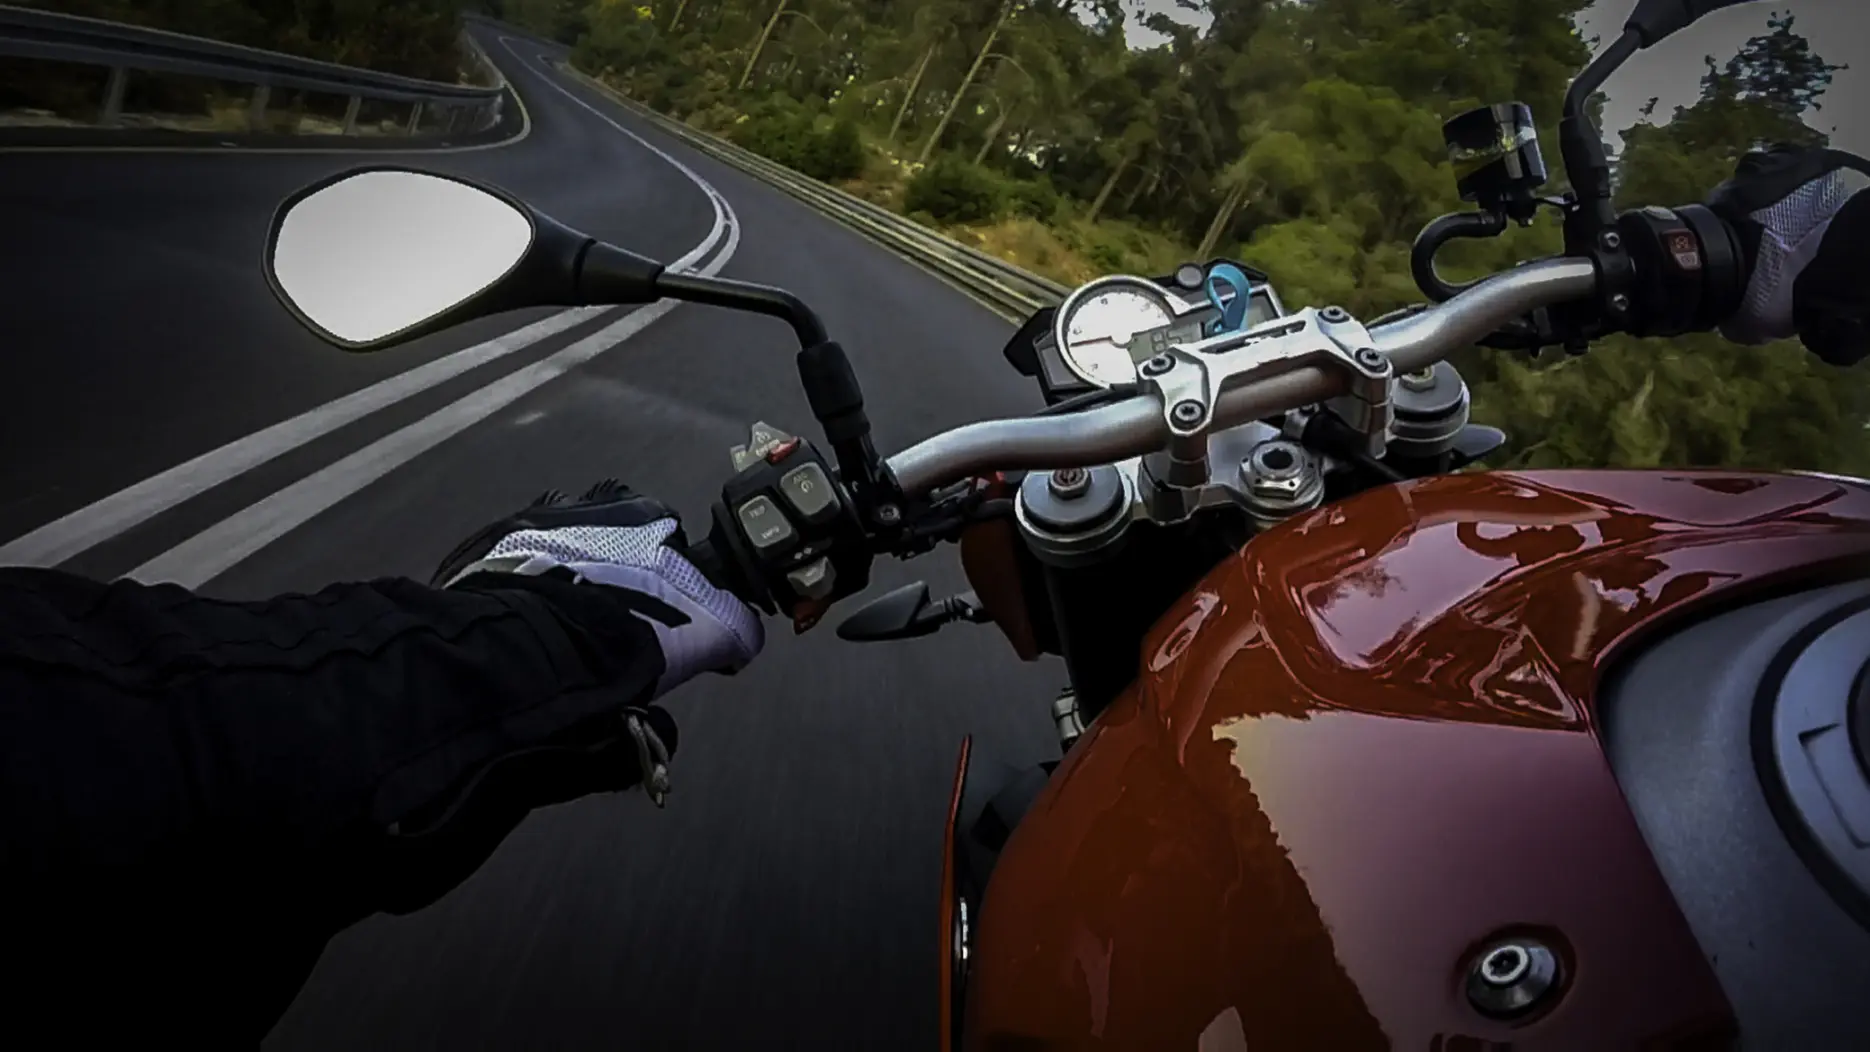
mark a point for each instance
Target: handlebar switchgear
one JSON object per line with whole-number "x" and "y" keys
{"x": 788, "y": 527}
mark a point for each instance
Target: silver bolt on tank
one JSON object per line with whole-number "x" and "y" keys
{"x": 1280, "y": 479}
{"x": 1511, "y": 977}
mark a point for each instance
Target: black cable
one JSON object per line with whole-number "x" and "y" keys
{"x": 1377, "y": 467}
{"x": 1092, "y": 399}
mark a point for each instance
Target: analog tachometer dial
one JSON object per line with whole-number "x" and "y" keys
{"x": 1097, "y": 324}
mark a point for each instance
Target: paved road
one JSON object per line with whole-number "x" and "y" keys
{"x": 787, "y": 897}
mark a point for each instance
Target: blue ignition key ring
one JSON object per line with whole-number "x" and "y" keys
{"x": 1234, "y": 309}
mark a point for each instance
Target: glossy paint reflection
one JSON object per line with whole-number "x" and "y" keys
{"x": 1362, "y": 748}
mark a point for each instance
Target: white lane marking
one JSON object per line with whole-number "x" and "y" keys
{"x": 98, "y": 522}
{"x": 549, "y": 77}
{"x": 217, "y": 549}
{"x": 95, "y": 523}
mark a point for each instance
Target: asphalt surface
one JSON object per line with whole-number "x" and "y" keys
{"x": 787, "y": 897}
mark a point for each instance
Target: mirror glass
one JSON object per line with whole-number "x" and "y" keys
{"x": 380, "y": 251}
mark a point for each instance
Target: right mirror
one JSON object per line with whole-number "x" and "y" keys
{"x": 1656, "y": 19}
{"x": 370, "y": 256}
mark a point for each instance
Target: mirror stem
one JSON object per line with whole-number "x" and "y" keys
{"x": 720, "y": 292}
{"x": 1580, "y": 144}
{"x": 608, "y": 274}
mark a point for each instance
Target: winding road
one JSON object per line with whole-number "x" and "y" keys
{"x": 168, "y": 420}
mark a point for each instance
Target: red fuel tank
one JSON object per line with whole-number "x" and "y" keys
{"x": 1362, "y": 749}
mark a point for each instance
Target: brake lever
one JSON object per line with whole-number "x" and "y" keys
{"x": 908, "y": 613}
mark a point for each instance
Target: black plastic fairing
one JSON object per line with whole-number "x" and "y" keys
{"x": 1682, "y": 723}
{"x": 1860, "y": 720}
{"x": 1020, "y": 351}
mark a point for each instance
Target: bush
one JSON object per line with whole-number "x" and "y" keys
{"x": 954, "y": 191}
{"x": 1033, "y": 198}
{"x": 1109, "y": 257}
{"x": 782, "y": 130}
{"x": 718, "y": 118}
{"x": 777, "y": 129}
{"x": 835, "y": 154}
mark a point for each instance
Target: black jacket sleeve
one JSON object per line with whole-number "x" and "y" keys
{"x": 196, "y": 794}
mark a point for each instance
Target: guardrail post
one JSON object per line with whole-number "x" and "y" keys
{"x": 256, "y": 108}
{"x": 415, "y": 118}
{"x": 113, "y": 97}
{"x": 350, "y": 114}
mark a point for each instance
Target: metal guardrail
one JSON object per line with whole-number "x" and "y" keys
{"x": 33, "y": 34}
{"x": 1010, "y": 291}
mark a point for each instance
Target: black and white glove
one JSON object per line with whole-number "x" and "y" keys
{"x": 1805, "y": 225}
{"x": 619, "y": 539}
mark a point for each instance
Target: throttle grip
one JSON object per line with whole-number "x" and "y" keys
{"x": 1690, "y": 270}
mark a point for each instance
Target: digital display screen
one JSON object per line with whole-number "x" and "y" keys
{"x": 1147, "y": 345}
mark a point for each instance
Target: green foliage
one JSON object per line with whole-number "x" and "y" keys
{"x": 1033, "y": 198}
{"x": 1300, "y": 135}
{"x": 838, "y": 153}
{"x": 618, "y": 41}
{"x": 787, "y": 132}
{"x": 1695, "y": 400}
{"x": 558, "y": 21}
{"x": 1304, "y": 137}
{"x": 954, "y": 191}
{"x": 1692, "y": 401}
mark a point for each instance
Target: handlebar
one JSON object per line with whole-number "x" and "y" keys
{"x": 1136, "y": 426}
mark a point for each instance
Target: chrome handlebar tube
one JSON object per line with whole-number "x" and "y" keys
{"x": 1228, "y": 380}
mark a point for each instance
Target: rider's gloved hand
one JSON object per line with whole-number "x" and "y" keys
{"x": 1804, "y": 221}
{"x": 615, "y": 538}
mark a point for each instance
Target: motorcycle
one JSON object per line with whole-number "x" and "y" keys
{"x": 1360, "y": 749}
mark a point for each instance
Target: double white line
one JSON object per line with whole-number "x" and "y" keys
{"x": 221, "y": 546}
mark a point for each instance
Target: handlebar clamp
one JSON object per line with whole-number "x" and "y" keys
{"x": 1190, "y": 378}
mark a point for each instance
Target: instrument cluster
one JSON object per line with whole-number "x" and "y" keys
{"x": 1108, "y": 327}
{"x": 1111, "y": 326}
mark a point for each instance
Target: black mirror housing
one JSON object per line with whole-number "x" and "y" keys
{"x": 342, "y": 272}
{"x": 1655, "y": 20}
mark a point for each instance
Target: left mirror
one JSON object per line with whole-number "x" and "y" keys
{"x": 370, "y": 256}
